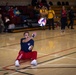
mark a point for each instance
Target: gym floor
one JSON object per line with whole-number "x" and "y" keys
{"x": 56, "y": 53}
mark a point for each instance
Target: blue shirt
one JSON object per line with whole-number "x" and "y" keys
{"x": 16, "y": 12}
{"x": 25, "y": 45}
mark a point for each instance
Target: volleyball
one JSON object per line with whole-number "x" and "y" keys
{"x": 42, "y": 21}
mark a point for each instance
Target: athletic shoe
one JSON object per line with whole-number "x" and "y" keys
{"x": 17, "y": 63}
{"x": 34, "y": 62}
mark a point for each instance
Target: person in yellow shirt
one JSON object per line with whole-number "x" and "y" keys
{"x": 51, "y": 15}
{"x": 43, "y": 11}
{"x": 43, "y": 14}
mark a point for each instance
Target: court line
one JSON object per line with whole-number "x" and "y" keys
{"x": 22, "y": 73}
{"x": 71, "y": 58}
{"x": 45, "y": 62}
{"x": 6, "y": 68}
{"x": 58, "y": 52}
{"x": 52, "y": 53}
{"x": 48, "y": 55}
{"x": 38, "y": 40}
{"x": 27, "y": 68}
{"x": 57, "y": 57}
{"x": 58, "y": 65}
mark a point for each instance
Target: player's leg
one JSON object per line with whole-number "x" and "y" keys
{"x": 34, "y": 58}
{"x": 19, "y": 57}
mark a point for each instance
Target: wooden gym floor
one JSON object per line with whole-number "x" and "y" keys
{"x": 56, "y": 53}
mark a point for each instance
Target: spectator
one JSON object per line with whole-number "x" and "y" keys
{"x": 16, "y": 12}
{"x": 7, "y": 22}
{"x": 63, "y": 18}
{"x": 1, "y": 24}
{"x": 43, "y": 14}
{"x": 71, "y": 17}
{"x": 51, "y": 15}
{"x": 11, "y": 12}
{"x": 7, "y": 7}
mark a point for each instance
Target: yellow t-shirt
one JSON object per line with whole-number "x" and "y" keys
{"x": 51, "y": 14}
{"x": 43, "y": 13}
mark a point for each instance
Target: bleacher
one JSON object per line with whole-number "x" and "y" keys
{"x": 32, "y": 23}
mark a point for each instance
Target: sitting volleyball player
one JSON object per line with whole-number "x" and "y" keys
{"x": 27, "y": 44}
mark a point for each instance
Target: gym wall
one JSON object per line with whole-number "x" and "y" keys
{"x": 27, "y": 2}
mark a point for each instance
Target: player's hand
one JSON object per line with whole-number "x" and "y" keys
{"x": 30, "y": 47}
{"x": 34, "y": 34}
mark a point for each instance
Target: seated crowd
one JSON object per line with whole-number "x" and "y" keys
{"x": 11, "y": 16}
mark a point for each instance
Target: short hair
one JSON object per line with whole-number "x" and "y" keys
{"x": 26, "y": 32}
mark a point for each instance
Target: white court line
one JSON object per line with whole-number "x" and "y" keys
{"x": 57, "y": 65}
{"x": 38, "y": 53}
{"x": 17, "y": 50}
{"x": 39, "y": 65}
{"x": 71, "y": 58}
{"x": 51, "y": 61}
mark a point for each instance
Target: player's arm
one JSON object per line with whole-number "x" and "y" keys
{"x": 31, "y": 47}
{"x": 29, "y": 38}
{"x": 26, "y": 40}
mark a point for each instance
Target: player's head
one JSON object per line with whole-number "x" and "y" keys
{"x": 26, "y": 34}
